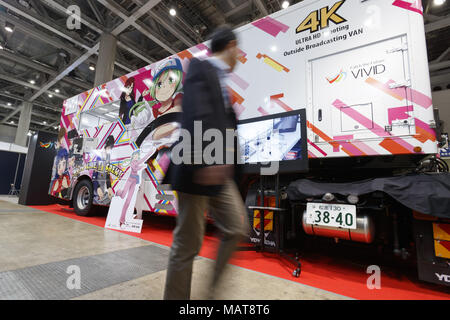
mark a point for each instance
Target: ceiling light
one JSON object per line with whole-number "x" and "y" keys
{"x": 172, "y": 12}
{"x": 285, "y": 4}
{"x": 50, "y": 95}
{"x": 12, "y": 122}
{"x": 29, "y": 134}
{"x": 439, "y": 2}
{"x": 24, "y": 3}
{"x": 57, "y": 90}
{"x": 32, "y": 81}
{"x": 56, "y": 128}
{"x": 1, "y": 47}
{"x": 45, "y": 122}
{"x": 92, "y": 67}
{"x": 9, "y": 27}
{"x": 9, "y": 104}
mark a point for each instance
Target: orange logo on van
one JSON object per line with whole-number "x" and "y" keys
{"x": 341, "y": 76}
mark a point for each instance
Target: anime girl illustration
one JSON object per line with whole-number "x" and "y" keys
{"x": 102, "y": 179}
{"x": 167, "y": 93}
{"x": 61, "y": 182}
{"x": 133, "y": 180}
{"x": 128, "y": 100}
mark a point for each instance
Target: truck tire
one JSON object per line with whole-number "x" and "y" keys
{"x": 82, "y": 198}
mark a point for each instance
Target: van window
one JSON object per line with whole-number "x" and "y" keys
{"x": 99, "y": 116}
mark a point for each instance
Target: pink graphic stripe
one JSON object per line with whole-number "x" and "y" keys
{"x": 415, "y": 7}
{"x": 346, "y": 137}
{"x": 420, "y": 99}
{"x": 110, "y": 130}
{"x": 398, "y": 113}
{"x": 238, "y": 109}
{"x": 318, "y": 149}
{"x": 271, "y": 26}
{"x": 311, "y": 155}
{"x": 355, "y": 115}
{"x": 276, "y": 99}
{"x": 424, "y": 126}
{"x": 239, "y": 81}
{"x": 365, "y": 148}
{"x": 148, "y": 203}
{"x": 400, "y": 94}
{"x": 262, "y": 111}
{"x": 336, "y": 146}
{"x": 351, "y": 148}
{"x": 415, "y": 96}
{"x": 406, "y": 145}
{"x": 202, "y": 47}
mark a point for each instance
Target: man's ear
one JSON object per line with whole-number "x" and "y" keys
{"x": 231, "y": 44}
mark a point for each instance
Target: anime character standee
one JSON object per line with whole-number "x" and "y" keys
{"x": 133, "y": 180}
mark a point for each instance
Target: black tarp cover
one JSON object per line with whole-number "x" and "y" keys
{"x": 425, "y": 193}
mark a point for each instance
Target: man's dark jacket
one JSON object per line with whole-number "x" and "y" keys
{"x": 202, "y": 101}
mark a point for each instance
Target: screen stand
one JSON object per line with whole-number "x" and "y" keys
{"x": 272, "y": 187}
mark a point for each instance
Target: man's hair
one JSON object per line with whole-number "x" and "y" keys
{"x": 109, "y": 142}
{"x": 221, "y": 37}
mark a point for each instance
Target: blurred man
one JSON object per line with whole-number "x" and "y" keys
{"x": 203, "y": 187}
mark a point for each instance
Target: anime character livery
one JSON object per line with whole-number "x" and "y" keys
{"x": 101, "y": 177}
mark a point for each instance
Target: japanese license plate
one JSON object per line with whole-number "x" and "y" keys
{"x": 331, "y": 215}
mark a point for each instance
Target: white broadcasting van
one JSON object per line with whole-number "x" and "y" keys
{"x": 336, "y": 93}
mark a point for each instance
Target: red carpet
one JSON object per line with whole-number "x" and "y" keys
{"x": 322, "y": 272}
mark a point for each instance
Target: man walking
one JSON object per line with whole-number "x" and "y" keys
{"x": 203, "y": 187}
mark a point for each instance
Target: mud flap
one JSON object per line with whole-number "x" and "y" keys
{"x": 430, "y": 267}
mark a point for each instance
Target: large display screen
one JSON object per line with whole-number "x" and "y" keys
{"x": 274, "y": 138}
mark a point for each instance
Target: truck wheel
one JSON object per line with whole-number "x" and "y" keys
{"x": 82, "y": 198}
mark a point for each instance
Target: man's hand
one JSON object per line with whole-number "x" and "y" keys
{"x": 64, "y": 184}
{"x": 110, "y": 193}
{"x": 213, "y": 175}
{"x": 100, "y": 193}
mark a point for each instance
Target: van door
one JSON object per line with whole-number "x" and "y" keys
{"x": 361, "y": 93}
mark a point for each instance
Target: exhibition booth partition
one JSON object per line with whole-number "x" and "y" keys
{"x": 38, "y": 170}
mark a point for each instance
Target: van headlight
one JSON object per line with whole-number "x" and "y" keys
{"x": 328, "y": 197}
{"x": 352, "y": 199}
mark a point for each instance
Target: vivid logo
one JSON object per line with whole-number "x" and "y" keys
{"x": 341, "y": 76}
{"x": 46, "y": 145}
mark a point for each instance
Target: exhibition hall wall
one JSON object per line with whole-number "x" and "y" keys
{"x": 441, "y": 100}
{"x": 10, "y": 162}
{"x": 7, "y": 134}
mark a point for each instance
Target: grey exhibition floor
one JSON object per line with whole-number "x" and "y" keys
{"x": 39, "y": 248}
